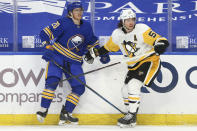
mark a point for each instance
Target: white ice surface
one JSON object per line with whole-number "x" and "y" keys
{"x": 97, "y": 128}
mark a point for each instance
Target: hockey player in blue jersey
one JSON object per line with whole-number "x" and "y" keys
{"x": 72, "y": 37}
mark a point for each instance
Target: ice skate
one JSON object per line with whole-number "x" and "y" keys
{"x": 41, "y": 115}
{"x": 67, "y": 118}
{"x": 129, "y": 120}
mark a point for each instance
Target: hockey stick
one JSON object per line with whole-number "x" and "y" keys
{"x": 131, "y": 61}
{"x": 75, "y": 77}
{"x": 138, "y": 58}
{"x": 88, "y": 72}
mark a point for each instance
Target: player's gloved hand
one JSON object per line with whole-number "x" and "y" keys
{"x": 92, "y": 53}
{"x": 48, "y": 53}
{"x": 88, "y": 58}
{"x": 160, "y": 47}
{"x": 104, "y": 59}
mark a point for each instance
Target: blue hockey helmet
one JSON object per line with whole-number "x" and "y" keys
{"x": 73, "y": 5}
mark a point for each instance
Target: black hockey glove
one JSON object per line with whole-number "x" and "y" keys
{"x": 94, "y": 52}
{"x": 160, "y": 46}
{"x": 88, "y": 58}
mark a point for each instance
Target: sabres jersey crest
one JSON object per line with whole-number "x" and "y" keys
{"x": 75, "y": 41}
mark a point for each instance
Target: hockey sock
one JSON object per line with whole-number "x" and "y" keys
{"x": 134, "y": 101}
{"x": 134, "y": 87}
{"x": 49, "y": 91}
{"x": 124, "y": 91}
{"x": 71, "y": 102}
{"x": 126, "y": 103}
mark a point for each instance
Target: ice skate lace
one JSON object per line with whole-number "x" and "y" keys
{"x": 127, "y": 116}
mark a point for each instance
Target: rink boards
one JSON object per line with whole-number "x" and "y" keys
{"x": 170, "y": 101}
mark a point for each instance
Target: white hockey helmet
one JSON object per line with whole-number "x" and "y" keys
{"x": 126, "y": 14}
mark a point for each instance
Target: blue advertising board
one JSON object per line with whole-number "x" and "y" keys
{"x": 6, "y": 26}
{"x": 173, "y": 19}
{"x": 184, "y": 31}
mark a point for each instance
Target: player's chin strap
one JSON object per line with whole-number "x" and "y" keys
{"x": 75, "y": 77}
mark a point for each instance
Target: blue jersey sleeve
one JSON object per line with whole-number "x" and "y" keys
{"x": 51, "y": 32}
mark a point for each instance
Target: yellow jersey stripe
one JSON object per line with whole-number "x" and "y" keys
{"x": 134, "y": 98}
{"x": 95, "y": 44}
{"x": 75, "y": 96}
{"x": 50, "y": 33}
{"x": 46, "y": 75}
{"x": 72, "y": 98}
{"x": 72, "y": 101}
{"x": 65, "y": 54}
{"x": 126, "y": 100}
{"x": 48, "y": 94}
{"x": 149, "y": 59}
{"x": 47, "y": 33}
{"x": 63, "y": 48}
{"x": 49, "y": 91}
{"x": 47, "y": 97}
{"x": 152, "y": 71}
{"x": 140, "y": 59}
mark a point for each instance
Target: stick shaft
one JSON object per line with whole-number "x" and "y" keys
{"x": 75, "y": 77}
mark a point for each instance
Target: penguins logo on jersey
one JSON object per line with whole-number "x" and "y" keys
{"x": 75, "y": 41}
{"x": 130, "y": 47}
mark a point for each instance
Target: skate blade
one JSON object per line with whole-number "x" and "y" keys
{"x": 66, "y": 123}
{"x": 40, "y": 118}
{"x": 126, "y": 125}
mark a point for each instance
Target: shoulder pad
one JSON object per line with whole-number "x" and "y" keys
{"x": 117, "y": 35}
{"x": 117, "y": 32}
{"x": 142, "y": 27}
